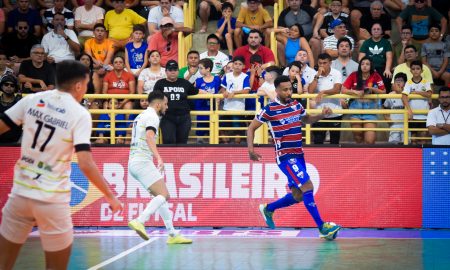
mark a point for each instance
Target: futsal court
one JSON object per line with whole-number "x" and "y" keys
{"x": 252, "y": 249}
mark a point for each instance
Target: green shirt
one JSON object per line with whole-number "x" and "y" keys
{"x": 377, "y": 52}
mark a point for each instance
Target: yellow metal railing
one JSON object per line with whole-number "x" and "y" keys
{"x": 185, "y": 42}
{"x": 261, "y": 135}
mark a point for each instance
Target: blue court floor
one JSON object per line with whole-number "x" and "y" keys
{"x": 252, "y": 249}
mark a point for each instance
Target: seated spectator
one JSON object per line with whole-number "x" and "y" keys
{"x": 411, "y": 54}
{"x": 438, "y": 123}
{"x": 58, "y": 8}
{"x": 136, "y": 54}
{"x": 9, "y": 88}
{"x": 100, "y": 48}
{"x": 330, "y": 43}
{"x": 327, "y": 81}
{"x": 36, "y": 75}
{"x": 119, "y": 22}
{"x": 4, "y": 69}
{"x": 406, "y": 39}
{"x": 254, "y": 47}
{"x": 191, "y": 71}
{"x": 307, "y": 72}
{"x": 119, "y": 81}
{"x": 149, "y": 76}
{"x": 105, "y": 122}
{"x": 165, "y": 41}
{"x": 225, "y": 28}
{"x": 17, "y": 45}
{"x": 344, "y": 62}
{"x": 295, "y": 42}
{"x": 24, "y": 12}
{"x": 131, "y": 4}
{"x": 420, "y": 17}
{"x": 164, "y": 9}
{"x": 78, "y": 3}
{"x": 61, "y": 43}
{"x": 295, "y": 76}
{"x": 295, "y": 12}
{"x": 419, "y": 86}
{"x": 254, "y": 17}
{"x": 211, "y": 10}
{"x": 365, "y": 81}
{"x": 363, "y": 30}
{"x": 327, "y": 5}
{"x": 176, "y": 123}
{"x": 2, "y": 22}
{"x": 86, "y": 17}
{"x": 435, "y": 54}
{"x": 219, "y": 58}
{"x": 93, "y": 86}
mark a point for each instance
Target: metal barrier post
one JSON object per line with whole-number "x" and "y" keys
{"x": 112, "y": 133}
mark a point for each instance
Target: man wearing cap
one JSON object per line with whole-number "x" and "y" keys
{"x": 164, "y": 9}
{"x": 165, "y": 41}
{"x": 253, "y": 17}
{"x": 330, "y": 43}
{"x": 176, "y": 123}
{"x": 8, "y": 97}
{"x": 254, "y": 47}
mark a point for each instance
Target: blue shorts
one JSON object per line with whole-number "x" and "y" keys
{"x": 362, "y": 105}
{"x": 295, "y": 171}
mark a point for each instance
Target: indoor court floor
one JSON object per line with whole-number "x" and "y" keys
{"x": 252, "y": 249}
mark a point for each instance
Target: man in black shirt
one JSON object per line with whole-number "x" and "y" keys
{"x": 36, "y": 74}
{"x": 8, "y": 97}
{"x": 176, "y": 123}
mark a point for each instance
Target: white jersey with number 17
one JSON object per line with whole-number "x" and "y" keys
{"x": 53, "y": 124}
{"x": 146, "y": 120}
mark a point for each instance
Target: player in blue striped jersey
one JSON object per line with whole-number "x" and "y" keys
{"x": 284, "y": 117}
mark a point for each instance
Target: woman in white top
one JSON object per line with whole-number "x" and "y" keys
{"x": 152, "y": 74}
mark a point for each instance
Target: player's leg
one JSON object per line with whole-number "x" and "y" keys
{"x": 8, "y": 253}
{"x": 58, "y": 259}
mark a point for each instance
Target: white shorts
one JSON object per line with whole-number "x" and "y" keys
{"x": 54, "y": 222}
{"x": 145, "y": 172}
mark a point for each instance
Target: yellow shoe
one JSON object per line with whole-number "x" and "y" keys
{"x": 139, "y": 228}
{"x": 178, "y": 239}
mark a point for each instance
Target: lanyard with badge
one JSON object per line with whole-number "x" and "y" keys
{"x": 445, "y": 118}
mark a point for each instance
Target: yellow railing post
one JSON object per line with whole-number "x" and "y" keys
{"x": 405, "y": 128}
{"x": 112, "y": 133}
{"x": 259, "y": 133}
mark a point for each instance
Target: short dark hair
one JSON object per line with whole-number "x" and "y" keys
{"x": 239, "y": 58}
{"x": 212, "y": 36}
{"x": 139, "y": 27}
{"x": 444, "y": 89}
{"x": 69, "y": 72}
{"x": 207, "y": 63}
{"x": 256, "y": 31}
{"x": 226, "y": 5}
{"x": 410, "y": 47}
{"x": 407, "y": 26}
{"x": 344, "y": 39}
{"x": 155, "y": 95}
{"x": 295, "y": 64}
{"x": 281, "y": 79}
{"x": 401, "y": 75}
{"x": 193, "y": 52}
{"x": 256, "y": 58}
{"x": 58, "y": 13}
{"x": 101, "y": 25}
{"x": 325, "y": 56}
{"x": 434, "y": 25}
{"x": 416, "y": 63}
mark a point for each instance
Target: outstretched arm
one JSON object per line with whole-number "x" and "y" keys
{"x": 254, "y": 125}
{"x": 309, "y": 119}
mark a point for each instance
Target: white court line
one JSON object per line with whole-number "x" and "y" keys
{"x": 123, "y": 254}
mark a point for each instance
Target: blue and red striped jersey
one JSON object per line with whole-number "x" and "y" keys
{"x": 284, "y": 121}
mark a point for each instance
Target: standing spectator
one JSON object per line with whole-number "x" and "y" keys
{"x": 136, "y": 54}
{"x": 420, "y": 17}
{"x": 327, "y": 81}
{"x": 219, "y": 58}
{"x": 176, "y": 123}
{"x": 435, "y": 54}
{"x": 379, "y": 50}
{"x": 86, "y": 17}
{"x": 330, "y": 43}
{"x": 438, "y": 119}
{"x": 60, "y": 44}
{"x": 58, "y": 8}
{"x": 254, "y": 17}
{"x": 9, "y": 97}
{"x": 406, "y": 39}
{"x": 119, "y": 22}
{"x": 411, "y": 54}
{"x": 365, "y": 81}
{"x": 254, "y": 47}
{"x": 211, "y": 10}
{"x": 36, "y": 74}
{"x": 149, "y": 76}
{"x": 119, "y": 81}
{"x": 225, "y": 28}
{"x": 363, "y": 31}
{"x": 100, "y": 48}
{"x": 344, "y": 62}
{"x": 24, "y": 12}
{"x": 164, "y": 9}
{"x": 191, "y": 71}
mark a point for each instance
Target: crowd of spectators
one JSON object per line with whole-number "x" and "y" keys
{"x": 355, "y": 47}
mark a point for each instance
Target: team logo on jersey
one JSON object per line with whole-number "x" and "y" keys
{"x": 292, "y": 160}
{"x": 41, "y": 103}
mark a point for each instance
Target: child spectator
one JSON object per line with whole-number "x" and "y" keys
{"x": 225, "y": 28}
{"x": 136, "y": 58}
{"x": 105, "y": 122}
{"x": 419, "y": 86}
{"x": 268, "y": 86}
{"x": 149, "y": 76}
{"x": 396, "y": 137}
{"x": 435, "y": 54}
{"x": 100, "y": 48}
{"x": 4, "y": 70}
{"x": 233, "y": 83}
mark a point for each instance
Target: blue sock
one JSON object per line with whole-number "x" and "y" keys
{"x": 308, "y": 200}
{"x": 286, "y": 201}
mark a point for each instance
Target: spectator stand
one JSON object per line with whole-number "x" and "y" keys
{"x": 185, "y": 42}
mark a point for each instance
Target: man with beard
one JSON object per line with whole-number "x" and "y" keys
{"x": 9, "y": 87}
{"x": 438, "y": 119}
{"x": 254, "y": 47}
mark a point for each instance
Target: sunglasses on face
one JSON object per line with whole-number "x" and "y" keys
{"x": 168, "y": 46}
{"x": 344, "y": 71}
{"x": 22, "y": 27}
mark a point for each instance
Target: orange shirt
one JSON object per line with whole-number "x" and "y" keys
{"x": 167, "y": 48}
{"x": 99, "y": 51}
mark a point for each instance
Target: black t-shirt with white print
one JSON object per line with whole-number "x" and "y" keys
{"x": 177, "y": 93}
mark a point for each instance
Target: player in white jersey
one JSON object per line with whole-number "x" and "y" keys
{"x": 141, "y": 167}
{"x": 54, "y": 124}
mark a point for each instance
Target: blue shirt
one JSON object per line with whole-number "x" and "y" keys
{"x": 210, "y": 87}
{"x": 225, "y": 30}
{"x": 136, "y": 55}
